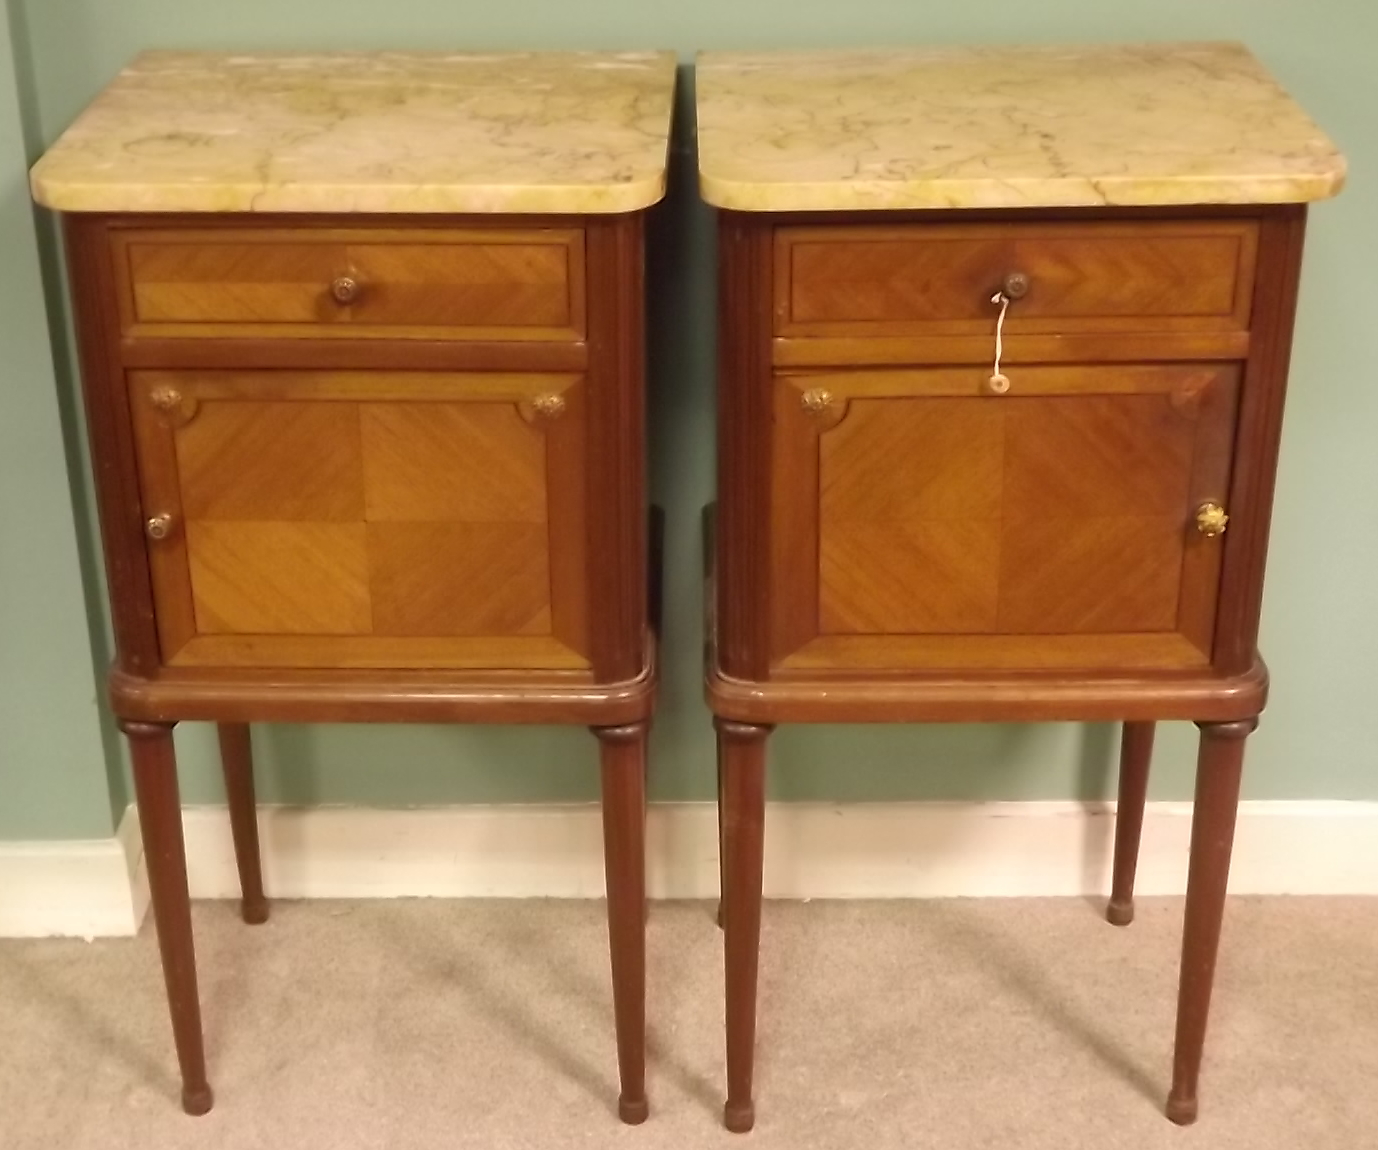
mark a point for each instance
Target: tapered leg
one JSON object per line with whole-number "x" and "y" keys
{"x": 722, "y": 850}
{"x": 160, "y": 821}
{"x": 237, "y": 761}
{"x": 1218, "y": 769}
{"x": 742, "y": 755}
{"x": 623, "y": 751}
{"x": 1136, "y": 752}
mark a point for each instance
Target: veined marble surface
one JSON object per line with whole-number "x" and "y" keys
{"x": 1003, "y": 127}
{"x": 369, "y": 132}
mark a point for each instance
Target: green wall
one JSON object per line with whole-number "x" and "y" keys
{"x": 1319, "y": 735}
{"x": 53, "y": 780}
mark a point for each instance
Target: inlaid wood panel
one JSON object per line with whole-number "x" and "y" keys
{"x": 364, "y": 519}
{"x": 1052, "y": 526}
{"x": 460, "y": 578}
{"x": 489, "y": 284}
{"x": 278, "y": 578}
{"x": 938, "y": 279}
{"x": 436, "y": 462}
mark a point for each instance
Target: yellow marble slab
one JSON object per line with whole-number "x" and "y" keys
{"x": 1002, "y": 127}
{"x": 376, "y": 132}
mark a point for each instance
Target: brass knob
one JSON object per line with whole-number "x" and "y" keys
{"x": 1015, "y": 285}
{"x": 550, "y": 406}
{"x": 345, "y": 289}
{"x": 816, "y": 399}
{"x": 165, "y": 398}
{"x": 158, "y": 527}
{"x": 1211, "y": 520}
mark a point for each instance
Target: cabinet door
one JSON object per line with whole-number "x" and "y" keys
{"x": 919, "y": 524}
{"x": 370, "y": 519}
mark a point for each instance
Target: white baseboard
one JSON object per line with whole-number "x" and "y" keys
{"x": 813, "y": 850}
{"x": 83, "y": 888}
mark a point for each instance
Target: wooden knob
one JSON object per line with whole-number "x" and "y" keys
{"x": 345, "y": 289}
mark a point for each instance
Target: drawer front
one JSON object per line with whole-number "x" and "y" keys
{"x": 316, "y": 283}
{"x": 921, "y": 279}
{"x": 918, "y": 524}
{"x": 389, "y": 520}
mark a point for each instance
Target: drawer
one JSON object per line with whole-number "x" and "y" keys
{"x": 475, "y": 284}
{"x": 922, "y": 279}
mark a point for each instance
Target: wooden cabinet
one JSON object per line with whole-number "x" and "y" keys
{"x": 364, "y": 375}
{"x": 1003, "y": 345}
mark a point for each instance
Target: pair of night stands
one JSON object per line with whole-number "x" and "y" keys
{"x": 1004, "y": 341}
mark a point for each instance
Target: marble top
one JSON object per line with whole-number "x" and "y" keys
{"x": 1001, "y": 127}
{"x": 369, "y": 132}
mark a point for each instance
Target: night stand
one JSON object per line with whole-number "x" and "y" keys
{"x": 1004, "y": 337}
{"x": 362, "y": 350}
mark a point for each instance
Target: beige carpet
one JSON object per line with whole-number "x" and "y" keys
{"x": 488, "y": 1024}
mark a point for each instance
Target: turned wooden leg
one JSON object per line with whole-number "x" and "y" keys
{"x": 1218, "y": 769}
{"x": 160, "y": 822}
{"x": 742, "y": 754}
{"x": 237, "y": 761}
{"x": 1136, "y": 752}
{"x": 623, "y": 751}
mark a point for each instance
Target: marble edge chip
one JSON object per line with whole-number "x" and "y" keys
{"x": 77, "y": 194}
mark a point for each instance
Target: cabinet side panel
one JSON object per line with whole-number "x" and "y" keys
{"x": 616, "y": 445}
{"x": 744, "y": 454}
{"x": 111, "y": 442}
{"x": 1256, "y": 443}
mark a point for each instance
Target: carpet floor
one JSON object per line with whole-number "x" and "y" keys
{"x": 953, "y": 1024}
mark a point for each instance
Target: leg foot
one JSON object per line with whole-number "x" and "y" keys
{"x": 1136, "y": 752}
{"x": 739, "y": 1118}
{"x": 1218, "y": 769}
{"x": 623, "y": 755}
{"x": 160, "y": 823}
{"x": 236, "y": 760}
{"x": 197, "y": 1102}
{"x": 742, "y": 752}
{"x": 1119, "y": 913}
{"x": 633, "y": 1111}
{"x": 1182, "y": 1111}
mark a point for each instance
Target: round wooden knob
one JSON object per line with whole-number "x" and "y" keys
{"x": 1015, "y": 285}
{"x": 345, "y": 289}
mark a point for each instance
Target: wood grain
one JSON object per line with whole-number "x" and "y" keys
{"x": 373, "y": 505}
{"x": 466, "y": 578}
{"x": 428, "y": 283}
{"x": 440, "y": 462}
{"x": 279, "y": 579}
{"x": 1051, "y": 347}
{"x": 383, "y": 652}
{"x": 1084, "y": 277}
{"x": 1061, "y": 508}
